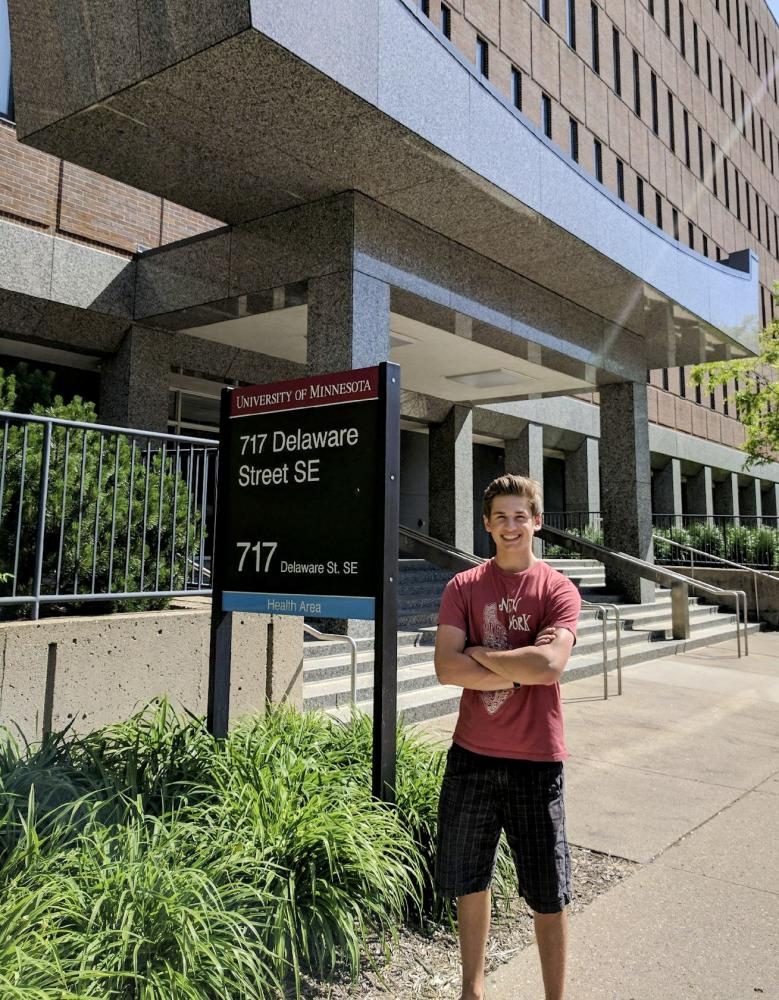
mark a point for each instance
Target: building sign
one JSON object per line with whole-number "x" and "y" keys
{"x": 302, "y": 528}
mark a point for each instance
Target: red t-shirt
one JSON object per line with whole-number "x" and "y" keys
{"x": 505, "y": 611}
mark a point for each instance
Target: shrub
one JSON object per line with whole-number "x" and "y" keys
{"x": 104, "y": 482}
{"x": 707, "y": 537}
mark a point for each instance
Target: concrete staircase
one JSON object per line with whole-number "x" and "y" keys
{"x": 645, "y": 635}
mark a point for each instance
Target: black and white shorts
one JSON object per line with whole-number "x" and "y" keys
{"x": 481, "y": 796}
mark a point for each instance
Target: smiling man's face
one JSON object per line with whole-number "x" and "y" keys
{"x": 511, "y": 525}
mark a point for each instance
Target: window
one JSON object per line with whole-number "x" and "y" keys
{"x": 757, "y": 47}
{"x": 700, "y": 152}
{"x": 595, "y": 38}
{"x": 640, "y": 195}
{"x": 682, "y": 383}
{"x": 617, "y": 64}
{"x": 748, "y": 204}
{"x": 708, "y": 67}
{"x": 571, "y": 25}
{"x": 732, "y": 99}
{"x": 545, "y": 10}
{"x": 738, "y": 23}
{"x": 636, "y": 85}
{"x": 667, "y": 17}
{"x": 757, "y": 218}
{"x": 483, "y": 56}
{"x": 516, "y": 88}
{"x": 726, "y": 181}
{"x": 6, "y": 84}
{"x": 424, "y": 6}
{"x": 686, "y": 129}
{"x": 727, "y": 12}
{"x": 671, "y": 128}
{"x": 691, "y": 235}
{"x": 658, "y": 210}
{"x": 653, "y": 98}
{"x": 446, "y": 21}
{"x": 598, "y": 157}
{"x": 620, "y": 180}
{"x": 664, "y": 382}
{"x": 714, "y": 170}
{"x": 696, "y": 63}
{"x": 746, "y": 31}
{"x": 682, "y": 39}
{"x": 573, "y": 134}
{"x": 546, "y": 115}
{"x": 762, "y": 140}
{"x": 767, "y": 228}
{"x": 721, "y": 84}
{"x": 737, "y": 188}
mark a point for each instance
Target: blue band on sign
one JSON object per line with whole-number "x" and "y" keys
{"x": 315, "y": 606}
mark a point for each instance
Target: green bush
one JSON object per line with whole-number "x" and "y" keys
{"x": 707, "y": 537}
{"x": 766, "y": 547}
{"x": 149, "y": 861}
{"x": 104, "y": 482}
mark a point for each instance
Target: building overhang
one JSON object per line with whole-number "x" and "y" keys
{"x": 241, "y": 110}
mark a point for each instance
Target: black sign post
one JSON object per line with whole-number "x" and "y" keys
{"x": 307, "y": 522}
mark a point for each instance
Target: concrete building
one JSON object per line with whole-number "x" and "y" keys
{"x": 544, "y": 213}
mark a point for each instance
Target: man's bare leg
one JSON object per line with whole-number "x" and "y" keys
{"x": 473, "y": 925}
{"x": 552, "y": 939}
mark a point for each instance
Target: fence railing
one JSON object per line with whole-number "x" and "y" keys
{"x": 748, "y": 539}
{"x": 91, "y": 513}
{"x": 584, "y": 523}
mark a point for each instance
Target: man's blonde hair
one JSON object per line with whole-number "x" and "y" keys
{"x": 514, "y": 486}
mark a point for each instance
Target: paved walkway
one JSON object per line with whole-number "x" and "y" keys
{"x": 680, "y": 774}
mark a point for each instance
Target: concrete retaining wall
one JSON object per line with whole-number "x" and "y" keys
{"x": 107, "y": 667}
{"x": 737, "y": 579}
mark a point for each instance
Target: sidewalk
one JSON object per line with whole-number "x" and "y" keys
{"x": 680, "y": 774}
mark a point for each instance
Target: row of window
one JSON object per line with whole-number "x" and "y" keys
{"x": 6, "y": 86}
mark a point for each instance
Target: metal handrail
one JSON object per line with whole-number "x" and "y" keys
{"x": 720, "y": 559}
{"x": 455, "y": 559}
{"x": 604, "y": 609}
{"x": 316, "y": 634}
{"x": 678, "y": 583}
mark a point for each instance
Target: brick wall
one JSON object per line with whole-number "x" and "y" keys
{"x": 46, "y": 192}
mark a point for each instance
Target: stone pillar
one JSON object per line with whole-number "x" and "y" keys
{"x": 451, "y": 479}
{"x": 726, "y": 497}
{"x": 348, "y": 322}
{"x": 750, "y": 502}
{"x": 626, "y": 501}
{"x": 135, "y": 382}
{"x": 700, "y": 494}
{"x": 524, "y": 456}
{"x": 668, "y": 492}
{"x": 582, "y": 482}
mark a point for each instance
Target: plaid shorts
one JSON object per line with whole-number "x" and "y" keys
{"x": 481, "y": 796}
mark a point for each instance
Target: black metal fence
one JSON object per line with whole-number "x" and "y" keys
{"x": 90, "y": 513}
{"x": 748, "y": 540}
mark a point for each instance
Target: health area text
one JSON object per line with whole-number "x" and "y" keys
{"x": 277, "y": 450}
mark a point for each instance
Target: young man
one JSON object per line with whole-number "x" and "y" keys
{"x": 505, "y": 632}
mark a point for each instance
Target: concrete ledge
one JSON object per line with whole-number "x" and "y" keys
{"x": 108, "y": 667}
{"x": 742, "y": 579}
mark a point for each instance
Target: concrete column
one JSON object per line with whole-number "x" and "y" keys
{"x": 582, "y": 479}
{"x": 451, "y": 479}
{"x": 700, "y": 494}
{"x": 524, "y": 456}
{"x": 626, "y": 501}
{"x": 135, "y": 382}
{"x": 726, "y": 497}
{"x": 348, "y": 322}
{"x": 668, "y": 491}
{"x": 750, "y": 501}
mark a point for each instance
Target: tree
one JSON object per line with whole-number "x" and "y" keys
{"x": 755, "y": 393}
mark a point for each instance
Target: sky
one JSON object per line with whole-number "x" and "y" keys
{"x": 774, "y": 5}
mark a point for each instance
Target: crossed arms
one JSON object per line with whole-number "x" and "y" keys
{"x": 483, "y": 669}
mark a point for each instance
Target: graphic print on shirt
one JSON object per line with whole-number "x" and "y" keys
{"x": 495, "y": 635}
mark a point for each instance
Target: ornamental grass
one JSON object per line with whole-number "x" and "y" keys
{"x": 147, "y": 861}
